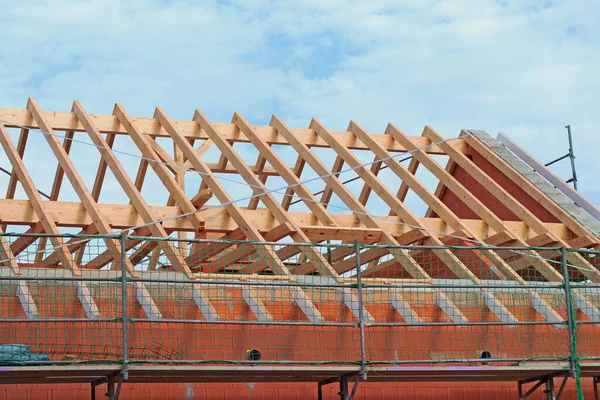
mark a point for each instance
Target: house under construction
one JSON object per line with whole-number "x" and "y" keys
{"x": 164, "y": 250}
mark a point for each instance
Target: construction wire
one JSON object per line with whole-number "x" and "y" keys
{"x": 262, "y": 188}
{"x": 282, "y": 190}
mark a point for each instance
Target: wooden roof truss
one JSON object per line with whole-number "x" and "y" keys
{"x": 294, "y": 214}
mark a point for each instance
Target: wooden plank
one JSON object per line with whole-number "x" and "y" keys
{"x": 366, "y": 189}
{"x": 403, "y": 189}
{"x": 327, "y": 192}
{"x": 124, "y": 216}
{"x": 203, "y": 148}
{"x": 23, "y": 242}
{"x": 440, "y": 190}
{"x": 13, "y": 180}
{"x": 101, "y": 173}
{"x": 201, "y": 198}
{"x": 203, "y": 251}
{"x": 298, "y": 169}
{"x": 141, "y": 175}
{"x": 261, "y": 162}
{"x": 59, "y": 174}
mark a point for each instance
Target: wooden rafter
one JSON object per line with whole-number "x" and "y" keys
{"x": 233, "y": 209}
{"x": 449, "y": 217}
{"x": 401, "y": 256}
{"x": 140, "y": 204}
{"x": 47, "y": 221}
{"x": 519, "y": 209}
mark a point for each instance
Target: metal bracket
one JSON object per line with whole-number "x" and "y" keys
{"x": 343, "y": 382}
{"x": 112, "y": 393}
{"x": 549, "y": 388}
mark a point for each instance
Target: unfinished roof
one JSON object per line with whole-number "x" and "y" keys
{"x": 119, "y": 168}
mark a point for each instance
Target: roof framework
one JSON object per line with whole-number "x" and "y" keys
{"x": 479, "y": 199}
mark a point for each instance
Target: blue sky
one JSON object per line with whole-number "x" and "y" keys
{"x": 526, "y": 68}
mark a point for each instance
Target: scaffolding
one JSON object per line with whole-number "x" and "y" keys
{"x": 238, "y": 252}
{"x": 372, "y": 324}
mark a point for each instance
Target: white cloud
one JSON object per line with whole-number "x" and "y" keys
{"x": 518, "y": 67}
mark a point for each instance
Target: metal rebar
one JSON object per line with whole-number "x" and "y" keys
{"x": 124, "y": 306}
{"x": 361, "y": 321}
{"x": 570, "y": 314}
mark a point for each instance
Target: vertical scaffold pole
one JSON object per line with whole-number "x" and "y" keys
{"x": 572, "y": 156}
{"x": 124, "y": 307}
{"x": 570, "y": 319}
{"x": 361, "y": 320}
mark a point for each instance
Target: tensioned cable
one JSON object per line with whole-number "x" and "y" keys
{"x": 279, "y": 190}
{"x": 262, "y": 188}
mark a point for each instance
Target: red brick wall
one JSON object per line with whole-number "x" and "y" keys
{"x": 261, "y": 391}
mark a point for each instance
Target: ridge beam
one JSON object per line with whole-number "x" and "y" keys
{"x": 64, "y": 121}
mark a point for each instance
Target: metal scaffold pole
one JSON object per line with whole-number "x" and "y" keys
{"x": 570, "y": 320}
{"x": 124, "y": 307}
{"x": 361, "y": 320}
